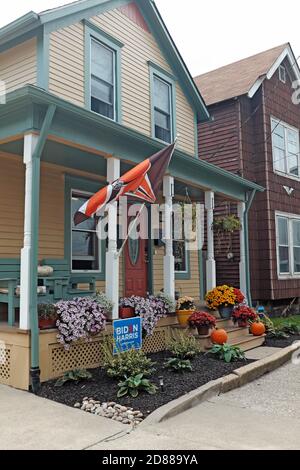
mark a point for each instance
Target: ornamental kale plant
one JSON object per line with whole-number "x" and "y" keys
{"x": 79, "y": 318}
{"x": 151, "y": 309}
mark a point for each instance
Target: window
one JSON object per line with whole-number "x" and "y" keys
{"x": 103, "y": 88}
{"x": 288, "y": 244}
{"x": 180, "y": 255}
{"x": 162, "y": 109}
{"x": 285, "y": 143}
{"x": 282, "y": 73}
{"x": 85, "y": 253}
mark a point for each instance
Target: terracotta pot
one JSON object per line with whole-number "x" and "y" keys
{"x": 203, "y": 330}
{"x": 126, "y": 312}
{"x": 47, "y": 323}
{"x": 242, "y": 323}
{"x": 183, "y": 316}
{"x": 226, "y": 312}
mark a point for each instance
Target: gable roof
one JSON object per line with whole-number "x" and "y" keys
{"x": 81, "y": 9}
{"x": 245, "y": 76}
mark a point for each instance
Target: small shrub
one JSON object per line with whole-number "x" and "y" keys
{"x": 76, "y": 375}
{"x": 135, "y": 384}
{"x": 271, "y": 329}
{"x": 227, "y": 353}
{"x": 183, "y": 346}
{"x": 291, "y": 328}
{"x": 179, "y": 365}
{"x": 126, "y": 364}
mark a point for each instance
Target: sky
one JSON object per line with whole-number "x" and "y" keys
{"x": 210, "y": 33}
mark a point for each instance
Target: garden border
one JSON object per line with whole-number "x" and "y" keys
{"x": 236, "y": 379}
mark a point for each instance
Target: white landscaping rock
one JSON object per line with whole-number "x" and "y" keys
{"x": 111, "y": 410}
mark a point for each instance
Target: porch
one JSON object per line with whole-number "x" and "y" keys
{"x": 53, "y": 152}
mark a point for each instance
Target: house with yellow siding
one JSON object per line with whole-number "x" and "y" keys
{"x": 93, "y": 88}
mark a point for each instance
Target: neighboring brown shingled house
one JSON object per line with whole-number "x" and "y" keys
{"x": 255, "y": 133}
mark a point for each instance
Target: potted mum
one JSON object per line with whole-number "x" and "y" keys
{"x": 47, "y": 315}
{"x": 243, "y": 315}
{"x": 184, "y": 309}
{"x": 239, "y": 296}
{"x": 223, "y": 299}
{"x": 203, "y": 321}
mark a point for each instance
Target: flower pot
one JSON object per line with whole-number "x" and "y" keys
{"x": 242, "y": 323}
{"x": 226, "y": 312}
{"x": 203, "y": 330}
{"x": 183, "y": 316}
{"x": 126, "y": 312}
{"x": 47, "y": 323}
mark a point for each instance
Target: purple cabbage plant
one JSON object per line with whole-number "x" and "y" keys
{"x": 79, "y": 318}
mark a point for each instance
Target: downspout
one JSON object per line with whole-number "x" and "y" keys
{"x": 249, "y": 202}
{"x": 35, "y": 208}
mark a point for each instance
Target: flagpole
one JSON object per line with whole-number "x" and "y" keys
{"x": 118, "y": 254}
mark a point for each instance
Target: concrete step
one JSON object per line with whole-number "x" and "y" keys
{"x": 245, "y": 343}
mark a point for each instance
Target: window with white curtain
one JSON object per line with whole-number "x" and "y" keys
{"x": 103, "y": 86}
{"x": 288, "y": 244}
{"x": 285, "y": 144}
{"x": 162, "y": 109}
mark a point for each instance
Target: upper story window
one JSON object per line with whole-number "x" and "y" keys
{"x": 162, "y": 110}
{"x": 103, "y": 72}
{"x": 285, "y": 143}
{"x": 163, "y": 103}
{"x": 103, "y": 79}
{"x": 282, "y": 73}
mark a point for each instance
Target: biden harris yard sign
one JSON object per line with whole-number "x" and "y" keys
{"x": 127, "y": 334}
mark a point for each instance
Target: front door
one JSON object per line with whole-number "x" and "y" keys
{"x": 136, "y": 267}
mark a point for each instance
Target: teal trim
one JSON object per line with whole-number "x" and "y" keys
{"x": 35, "y": 208}
{"x": 20, "y": 27}
{"x": 160, "y": 70}
{"x": 43, "y": 60}
{"x": 156, "y": 71}
{"x": 89, "y": 186}
{"x": 19, "y": 40}
{"x": 92, "y": 31}
{"x": 82, "y": 127}
{"x": 247, "y": 252}
{"x": 185, "y": 276}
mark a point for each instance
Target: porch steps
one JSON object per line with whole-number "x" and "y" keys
{"x": 237, "y": 336}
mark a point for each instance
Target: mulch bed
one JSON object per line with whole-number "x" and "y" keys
{"x": 104, "y": 389}
{"x": 281, "y": 342}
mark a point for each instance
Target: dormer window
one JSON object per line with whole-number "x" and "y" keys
{"x": 282, "y": 73}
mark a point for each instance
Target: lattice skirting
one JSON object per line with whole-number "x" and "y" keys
{"x": 54, "y": 359}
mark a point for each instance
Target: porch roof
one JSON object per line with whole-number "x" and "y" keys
{"x": 80, "y": 137}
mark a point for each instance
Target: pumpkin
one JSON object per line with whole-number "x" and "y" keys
{"x": 219, "y": 336}
{"x": 257, "y": 329}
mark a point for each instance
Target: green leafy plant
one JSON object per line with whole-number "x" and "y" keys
{"x": 76, "y": 375}
{"x": 135, "y": 384}
{"x": 291, "y": 328}
{"x": 227, "y": 224}
{"x": 179, "y": 365}
{"x": 126, "y": 364}
{"x": 183, "y": 346}
{"x": 272, "y": 330}
{"x": 227, "y": 353}
{"x": 47, "y": 311}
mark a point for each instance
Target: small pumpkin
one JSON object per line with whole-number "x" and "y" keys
{"x": 219, "y": 336}
{"x": 257, "y": 329}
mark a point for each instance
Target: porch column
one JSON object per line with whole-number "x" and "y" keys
{"x": 30, "y": 142}
{"x": 169, "y": 261}
{"x": 210, "y": 263}
{"x": 243, "y": 267}
{"x": 112, "y": 260}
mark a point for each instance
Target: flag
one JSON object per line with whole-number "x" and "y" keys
{"x": 142, "y": 182}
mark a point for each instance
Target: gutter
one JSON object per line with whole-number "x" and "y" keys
{"x": 20, "y": 26}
